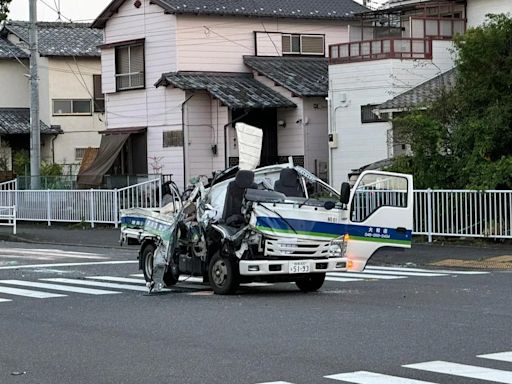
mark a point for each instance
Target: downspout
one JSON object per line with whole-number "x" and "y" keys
{"x": 226, "y": 162}
{"x": 53, "y": 148}
{"x": 183, "y": 139}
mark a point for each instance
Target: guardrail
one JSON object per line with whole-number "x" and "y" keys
{"x": 8, "y": 217}
{"x": 391, "y": 48}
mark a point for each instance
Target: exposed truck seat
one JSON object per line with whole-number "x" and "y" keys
{"x": 288, "y": 183}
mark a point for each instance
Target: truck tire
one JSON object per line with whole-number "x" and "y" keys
{"x": 311, "y": 283}
{"x": 147, "y": 255}
{"x": 223, "y": 275}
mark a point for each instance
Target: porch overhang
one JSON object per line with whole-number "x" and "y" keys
{"x": 112, "y": 142}
{"x": 234, "y": 90}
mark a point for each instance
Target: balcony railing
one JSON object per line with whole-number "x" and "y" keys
{"x": 392, "y": 48}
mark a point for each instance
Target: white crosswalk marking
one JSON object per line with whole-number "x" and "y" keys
{"x": 405, "y": 272}
{"x": 127, "y": 287}
{"x": 364, "y": 275}
{"x": 463, "y": 370}
{"x": 4, "y": 300}
{"x": 500, "y": 356}
{"x": 29, "y": 293}
{"x": 56, "y": 287}
{"x": 341, "y": 279}
{"x": 118, "y": 279}
{"x": 364, "y": 377}
{"x": 54, "y": 265}
{"x": 447, "y": 271}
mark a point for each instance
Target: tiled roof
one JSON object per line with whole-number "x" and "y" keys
{"x": 16, "y": 121}
{"x": 303, "y": 76}
{"x": 61, "y": 39}
{"x": 298, "y": 9}
{"x": 9, "y": 51}
{"x": 235, "y": 90}
{"x": 423, "y": 94}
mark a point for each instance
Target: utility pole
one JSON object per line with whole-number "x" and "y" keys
{"x": 35, "y": 134}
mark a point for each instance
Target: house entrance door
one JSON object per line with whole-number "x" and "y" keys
{"x": 266, "y": 119}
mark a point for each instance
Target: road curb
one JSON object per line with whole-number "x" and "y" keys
{"x": 20, "y": 239}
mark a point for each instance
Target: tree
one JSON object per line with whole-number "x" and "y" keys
{"x": 464, "y": 139}
{"x": 4, "y": 9}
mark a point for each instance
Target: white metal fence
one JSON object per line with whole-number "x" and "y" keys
{"x": 460, "y": 213}
{"x": 94, "y": 206}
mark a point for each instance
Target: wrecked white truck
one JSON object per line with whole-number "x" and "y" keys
{"x": 278, "y": 223}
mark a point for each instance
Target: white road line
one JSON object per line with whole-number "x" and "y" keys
{"x": 4, "y": 300}
{"x": 276, "y": 382}
{"x": 448, "y": 271}
{"x": 56, "y": 287}
{"x": 341, "y": 279}
{"x": 405, "y": 273}
{"x": 256, "y": 284}
{"x": 364, "y": 275}
{"x": 69, "y": 264}
{"x": 137, "y": 275}
{"x": 463, "y": 370}
{"x": 191, "y": 279}
{"x": 100, "y": 284}
{"x": 364, "y": 377}
{"x": 117, "y": 279}
{"x": 500, "y": 356}
{"x": 15, "y": 252}
{"x": 29, "y": 293}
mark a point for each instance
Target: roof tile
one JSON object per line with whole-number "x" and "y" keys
{"x": 16, "y": 121}
{"x": 235, "y": 90}
{"x": 303, "y": 76}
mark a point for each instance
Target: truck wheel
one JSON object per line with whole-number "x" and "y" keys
{"x": 223, "y": 275}
{"x": 311, "y": 283}
{"x": 147, "y": 255}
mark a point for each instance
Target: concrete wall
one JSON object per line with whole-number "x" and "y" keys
{"x": 372, "y": 82}
{"x": 477, "y": 9}
{"x": 14, "y": 85}
{"x": 315, "y": 133}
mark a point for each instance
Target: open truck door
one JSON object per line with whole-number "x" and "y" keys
{"x": 380, "y": 215}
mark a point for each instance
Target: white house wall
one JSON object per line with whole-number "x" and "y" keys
{"x": 158, "y": 109}
{"x": 214, "y": 43}
{"x": 315, "y": 133}
{"x": 477, "y": 9}
{"x": 373, "y": 82}
{"x": 204, "y": 121}
{"x": 14, "y": 85}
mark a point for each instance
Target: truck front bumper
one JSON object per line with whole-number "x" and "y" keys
{"x": 285, "y": 267}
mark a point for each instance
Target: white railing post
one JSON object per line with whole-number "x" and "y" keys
{"x": 116, "y": 209}
{"x": 92, "y": 207}
{"x": 48, "y": 208}
{"x": 429, "y": 215}
{"x": 14, "y": 220}
{"x": 160, "y": 192}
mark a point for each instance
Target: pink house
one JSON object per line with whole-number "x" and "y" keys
{"x": 177, "y": 75}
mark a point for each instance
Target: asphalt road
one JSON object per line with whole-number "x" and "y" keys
{"x": 375, "y": 323}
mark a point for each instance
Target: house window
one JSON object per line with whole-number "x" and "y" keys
{"x": 367, "y": 115}
{"x": 72, "y": 107}
{"x": 99, "y": 97}
{"x": 130, "y": 67}
{"x": 80, "y": 152}
{"x": 303, "y": 44}
{"x": 172, "y": 139}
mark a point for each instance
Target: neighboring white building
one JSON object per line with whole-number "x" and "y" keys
{"x": 71, "y": 100}
{"x": 212, "y": 66}
{"x": 400, "y": 57}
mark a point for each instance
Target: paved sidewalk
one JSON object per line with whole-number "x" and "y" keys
{"x": 447, "y": 254}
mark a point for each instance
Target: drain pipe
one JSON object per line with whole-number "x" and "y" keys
{"x": 183, "y": 140}
{"x": 226, "y": 161}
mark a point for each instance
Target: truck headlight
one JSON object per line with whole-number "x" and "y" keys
{"x": 337, "y": 247}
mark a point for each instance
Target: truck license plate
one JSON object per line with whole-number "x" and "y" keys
{"x": 299, "y": 267}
